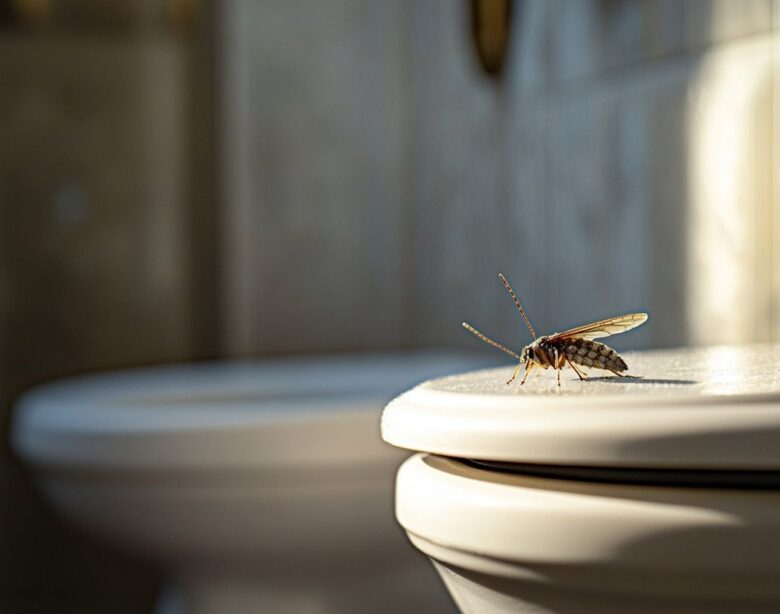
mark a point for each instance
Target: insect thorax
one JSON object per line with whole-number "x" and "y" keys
{"x": 536, "y": 350}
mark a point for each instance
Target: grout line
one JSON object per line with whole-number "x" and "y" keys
{"x": 407, "y": 244}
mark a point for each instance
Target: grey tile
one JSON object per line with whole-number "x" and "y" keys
{"x": 657, "y": 199}
{"x": 554, "y": 43}
{"x": 573, "y": 30}
{"x": 315, "y": 249}
{"x": 455, "y": 179}
{"x": 711, "y": 21}
{"x": 530, "y": 237}
{"x": 637, "y": 30}
{"x": 628, "y": 200}
{"x": 527, "y": 69}
{"x": 577, "y": 254}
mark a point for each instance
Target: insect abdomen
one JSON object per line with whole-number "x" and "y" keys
{"x": 592, "y": 354}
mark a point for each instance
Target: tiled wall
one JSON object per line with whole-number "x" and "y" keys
{"x": 312, "y": 168}
{"x": 95, "y": 214}
{"x": 94, "y": 202}
{"x": 622, "y": 162}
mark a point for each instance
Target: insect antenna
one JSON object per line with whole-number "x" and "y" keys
{"x": 519, "y": 306}
{"x": 495, "y": 344}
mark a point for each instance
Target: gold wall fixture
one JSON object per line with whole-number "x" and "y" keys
{"x": 490, "y": 24}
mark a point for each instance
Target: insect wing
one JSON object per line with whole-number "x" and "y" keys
{"x": 603, "y": 328}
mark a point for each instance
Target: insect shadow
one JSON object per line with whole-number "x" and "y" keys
{"x": 609, "y": 379}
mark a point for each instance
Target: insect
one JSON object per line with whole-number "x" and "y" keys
{"x": 576, "y": 346}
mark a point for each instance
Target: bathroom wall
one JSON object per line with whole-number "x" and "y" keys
{"x": 96, "y": 207}
{"x": 622, "y": 162}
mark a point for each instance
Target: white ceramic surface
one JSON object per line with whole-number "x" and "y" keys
{"x": 508, "y": 542}
{"x": 257, "y": 486}
{"x": 695, "y": 408}
{"x": 512, "y": 543}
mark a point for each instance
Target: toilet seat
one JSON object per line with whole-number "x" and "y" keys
{"x": 468, "y": 509}
{"x": 695, "y": 409}
{"x": 574, "y": 534}
{"x": 253, "y": 486}
{"x": 296, "y": 413}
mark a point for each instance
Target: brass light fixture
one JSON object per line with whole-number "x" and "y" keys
{"x": 490, "y": 21}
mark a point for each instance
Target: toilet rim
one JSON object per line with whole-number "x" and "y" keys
{"x": 535, "y": 521}
{"x": 297, "y": 412}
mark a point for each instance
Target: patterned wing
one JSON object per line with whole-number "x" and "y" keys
{"x": 603, "y": 328}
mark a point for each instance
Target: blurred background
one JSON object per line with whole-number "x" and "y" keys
{"x": 193, "y": 179}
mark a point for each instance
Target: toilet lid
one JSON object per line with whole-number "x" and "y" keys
{"x": 707, "y": 408}
{"x": 296, "y": 412}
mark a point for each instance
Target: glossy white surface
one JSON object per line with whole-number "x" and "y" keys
{"x": 510, "y": 543}
{"x": 272, "y": 414}
{"x": 256, "y": 486}
{"x": 693, "y": 408}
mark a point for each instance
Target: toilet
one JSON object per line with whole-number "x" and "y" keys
{"x": 659, "y": 494}
{"x": 258, "y": 486}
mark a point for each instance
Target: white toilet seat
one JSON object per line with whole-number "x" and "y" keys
{"x": 711, "y": 408}
{"x": 544, "y": 523}
{"x": 275, "y": 414}
{"x": 255, "y": 486}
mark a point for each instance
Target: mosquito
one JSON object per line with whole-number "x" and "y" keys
{"x": 576, "y": 346}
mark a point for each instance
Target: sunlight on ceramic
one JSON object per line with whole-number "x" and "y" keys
{"x": 643, "y": 495}
{"x": 255, "y": 486}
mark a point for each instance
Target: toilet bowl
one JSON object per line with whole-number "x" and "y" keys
{"x": 254, "y": 486}
{"x": 659, "y": 494}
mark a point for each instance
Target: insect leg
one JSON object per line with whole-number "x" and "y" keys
{"x": 514, "y": 374}
{"x": 581, "y": 375}
{"x": 560, "y": 363}
{"x": 528, "y": 369}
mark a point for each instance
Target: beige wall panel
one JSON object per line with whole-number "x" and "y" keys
{"x": 94, "y": 246}
{"x": 94, "y": 212}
